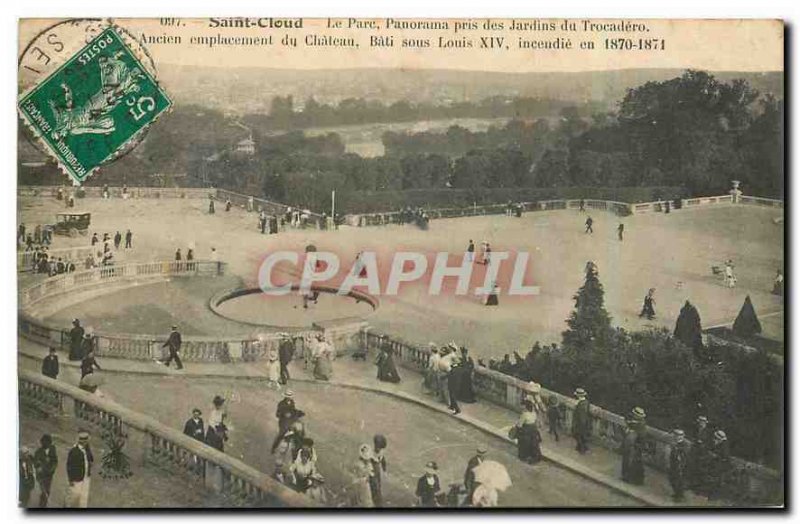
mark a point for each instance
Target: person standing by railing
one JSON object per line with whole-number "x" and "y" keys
{"x": 581, "y": 422}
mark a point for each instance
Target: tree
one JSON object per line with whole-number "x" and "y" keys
{"x": 589, "y": 323}
{"x": 746, "y": 323}
{"x": 688, "y": 329}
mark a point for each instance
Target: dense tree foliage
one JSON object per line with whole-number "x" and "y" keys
{"x": 692, "y": 132}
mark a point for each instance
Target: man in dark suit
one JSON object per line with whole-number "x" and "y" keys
{"x": 46, "y": 461}
{"x": 50, "y": 366}
{"x": 469, "y": 475}
{"x": 194, "y": 427}
{"x": 79, "y": 472}
{"x": 286, "y": 413}
{"x": 173, "y": 343}
{"x": 76, "y": 340}
{"x": 581, "y": 422}
{"x": 285, "y": 355}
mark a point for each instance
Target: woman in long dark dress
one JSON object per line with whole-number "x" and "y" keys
{"x": 387, "y": 371}
{"x": 466, "y": 389}
{"x": 378, "y": 467}
{"x": 632, "y": 454}
{"x": 528, "y": 437}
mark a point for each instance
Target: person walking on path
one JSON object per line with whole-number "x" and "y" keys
{"x": 27, "y": 476}
{"x": 620, "y": 230}
{"x": 79, "y": 472}
{"x": 50, "y": 367}
{"x": 117, "y": 240}
{"x": 429, "y": 487}
{"x": 589, "y": 223}
{"x": 286, "y": 413}
{"x": 471, "y": 251}
{"x": 46, "y": 461}
{"x": 469, "y": 475}
{"x": 323, "y": 368}
{"x": 581, "y": 422}
{"x": 678, "y": 461}
{"x": 526, "y": 433}
{"x": 360, "y": 494}
{"x": 648, "y": 306}
{"x": 633, "y": 448}
{"x": 173, "y": 344}
{"x": 128, "y": 239}
{"x": 378, "y": 468}
{"x": 76, "y": 340}
{"x": 285, "y": 355}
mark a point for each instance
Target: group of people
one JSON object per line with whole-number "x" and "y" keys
{"x": 27, "y": 240}
{"x": 214, "y": 432}
{"x": 514, "y": 209}
{"x": 410, "y": 215}
{"x": 589, "y": 228}
{"x": 39, "y": 467}
{"x": 45, "y": 264}
{"x": 448, "y": 375}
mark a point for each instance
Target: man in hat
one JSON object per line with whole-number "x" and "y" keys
{"x": 286, "y": 413}
{"x": 50, "y": 366}
{"x": 589, "y": 223}
{"x": 27, "y": 476}
{"x": 173, "y": 344}
{"x": 285, "y": 355}
{"x": 633, "y": 448}
{"x": 76, "y": 340}
{"x": 581, "y": 422}
{"x": 428, "y": 486}
{"x": 719, "y": 465}
{"x": 46, "y": 461}
{"x": 195, "y": 427}
{"x": 678, "y": 460}
{"x": 469, "y": 475}
{"x": 79, "y": 471}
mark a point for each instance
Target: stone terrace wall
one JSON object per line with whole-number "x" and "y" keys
{"x": 752, "y": 483}
{"x": 153, "y": 443}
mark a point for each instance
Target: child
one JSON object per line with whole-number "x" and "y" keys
{"x": 553, "y": 416}
{"x": 273, "y": 370}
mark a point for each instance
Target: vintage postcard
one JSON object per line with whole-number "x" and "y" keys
{"x": 400, "y": 263}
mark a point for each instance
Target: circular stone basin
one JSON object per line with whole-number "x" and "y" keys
{"x": 254, "y": 307}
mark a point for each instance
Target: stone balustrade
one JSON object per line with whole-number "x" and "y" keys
{"x": 620, "y": 208}
{"x": 76, "y": 255}
{"x": 752, "y": 483}
{"x": 153, "y": 443}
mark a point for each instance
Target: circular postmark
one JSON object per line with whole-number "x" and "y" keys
{"x": 47, "y": 50}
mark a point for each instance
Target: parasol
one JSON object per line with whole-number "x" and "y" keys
{"x": 492, "y": 475}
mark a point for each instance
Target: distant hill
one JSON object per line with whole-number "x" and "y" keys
{"x": 250, "y": 90}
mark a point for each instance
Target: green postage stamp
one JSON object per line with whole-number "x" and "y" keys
{"x": 92, "y": 106}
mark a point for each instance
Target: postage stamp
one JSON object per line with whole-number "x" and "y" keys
{"x": 93, "y": 105}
